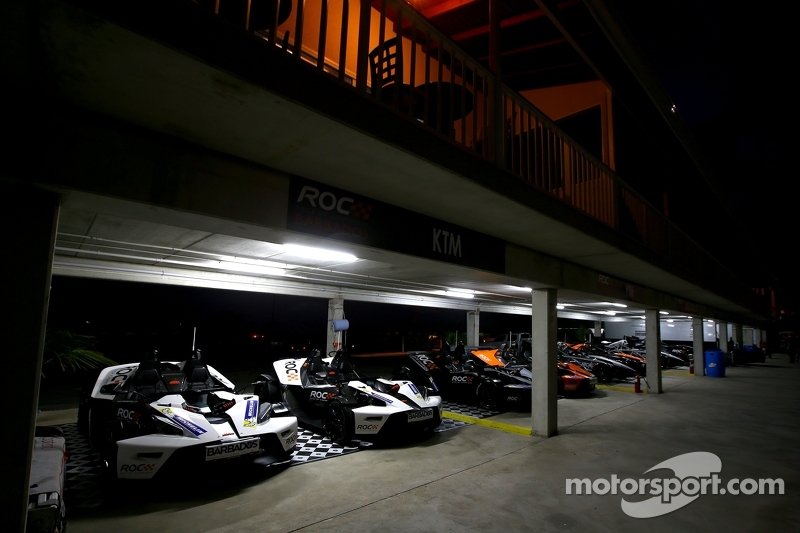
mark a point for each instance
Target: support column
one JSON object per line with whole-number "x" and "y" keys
{"x": 652, "y": 337}
{"x": 723, "y": 337}
{"x": 473, "y": 328}
{"x": 544, "y": 333}
{"x": 335, "y": 312}
{"x": 598, "y": 328}
{"x": 757, "y": 337}
{"x": 698, "y": 335}
{"x": 737, "y": 335}
{"x": 28, "y": 217}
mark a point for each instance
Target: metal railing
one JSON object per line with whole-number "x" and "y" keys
{"x": 388, "y": 52}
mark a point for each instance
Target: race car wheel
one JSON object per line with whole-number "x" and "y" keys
{"x": 338, "y": 423}
{"x": 488, "y": 396}
{"x": 601, "y": 373}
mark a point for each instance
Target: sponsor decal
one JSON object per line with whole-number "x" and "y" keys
{"x": 235, "y": 448}
{"x": 128, "y": 414}
{"x": 149, "y": 467}
{"x": 413, "y": 389}
{"x": 319, "y": 209}
{"x": 190, "y": 426}
{"x": 461, "y": 379}
{"x": 381, "y": 398}
{"x": 513, "y": 399}
{"x": 423, "y": 414}
{"x": 251, "y": 414}
{"x": 291, "y": 440}
{"x": 321, "y": 395}
{"x": 291, "y": 371}
{"x": 367, "y": 427}
{"x": 426, "y": 361}
{"x": 695, "y": 474}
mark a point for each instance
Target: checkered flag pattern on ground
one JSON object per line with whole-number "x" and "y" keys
{"x": 84, "y": 486}
{"x": 468, "y": 410}
{"x": 314, "y": 447}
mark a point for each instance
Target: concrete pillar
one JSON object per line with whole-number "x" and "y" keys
{"x": 698, "y": 337}
{"x": 748, "y": 336}
{"x": 335, "y": 312}
{"x": 473, "y": 328}
{"x": 652, "y": 338}
{"x": 598, "y": 328}
{"x": 723, "y": 336}
{"x": 757, "y": 337}
{"x": 544, "y": 333}
{"x": 737, "y": 335}
{"x": 28, "y": 217}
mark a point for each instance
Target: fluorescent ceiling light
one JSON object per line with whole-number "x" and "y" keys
{"x": 565, "y": 305}
{"x": 618, "y": 305}
{"x": 459, "y": 294}
{"x": 644, "y": 317}
{"x": 670, "y": 325}
{"x": 249, "y": 268}
{"x": 559, "y": 307}
{"x": 670, "y": 320}
{"x": 612, "y": 313}
{"x": 663, "y": 312}
{"x": 319, "y": 254}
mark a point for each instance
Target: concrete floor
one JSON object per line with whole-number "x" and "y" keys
{"x": 482, "y": 479}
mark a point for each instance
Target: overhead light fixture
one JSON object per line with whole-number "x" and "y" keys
{"x": 459, "y": 293}
{"x": 249, "y": 268}
{"x": 663, "y": 312}
{"x": 565, "y": 305}
{"x": 670, "y": 325}
{"x": 612, "y": 313}
{"x": 643, "y": 317}
{"x": 670, "y": 320}
{"x": 320, "y": 254}
{"x": 618, "y": 305}
{"x": 559, "y": 307}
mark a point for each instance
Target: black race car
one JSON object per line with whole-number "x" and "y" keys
{"x": 479, "y": 375}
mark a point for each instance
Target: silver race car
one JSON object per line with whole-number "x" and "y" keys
{"x": 327, "y": 395}
{"x": 148, "y": 417}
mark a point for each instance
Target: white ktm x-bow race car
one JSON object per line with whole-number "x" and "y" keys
{"x": 148, "y": 417}
{"x": 328, "y": 396}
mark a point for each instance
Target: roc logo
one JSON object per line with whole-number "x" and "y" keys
{"x": 461, "y": 379}
{"x": 127, "y": 414}
{"x": 361, "y": 210}
{"x": 425, "y": 360}
{"x": 291, "y": 371}
{"x": 137, "y": 468}
{"x": 320, "y": 395}
{"x": 513, "y": 399}
{"x": 367, "y": 427}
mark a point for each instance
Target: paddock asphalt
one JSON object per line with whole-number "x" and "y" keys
{"x": 483, "y": 478}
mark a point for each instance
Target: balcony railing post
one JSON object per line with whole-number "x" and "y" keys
{"x": 362, "y": 55}
{"x": 499, "y": 126}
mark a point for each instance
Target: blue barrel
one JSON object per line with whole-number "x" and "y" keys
{"x": 715, "y": 363}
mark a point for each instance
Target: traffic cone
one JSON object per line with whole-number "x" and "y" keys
{"x": 691, "y": 367}
{"x": 637, "y": 386}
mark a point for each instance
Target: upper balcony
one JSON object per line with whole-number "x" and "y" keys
{"x": 427, "y": 84}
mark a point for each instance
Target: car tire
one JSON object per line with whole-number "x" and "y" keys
{"x": 488, "y": 395}
{"x": 602, "y": 374}
{"x": 338, "y": 423}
